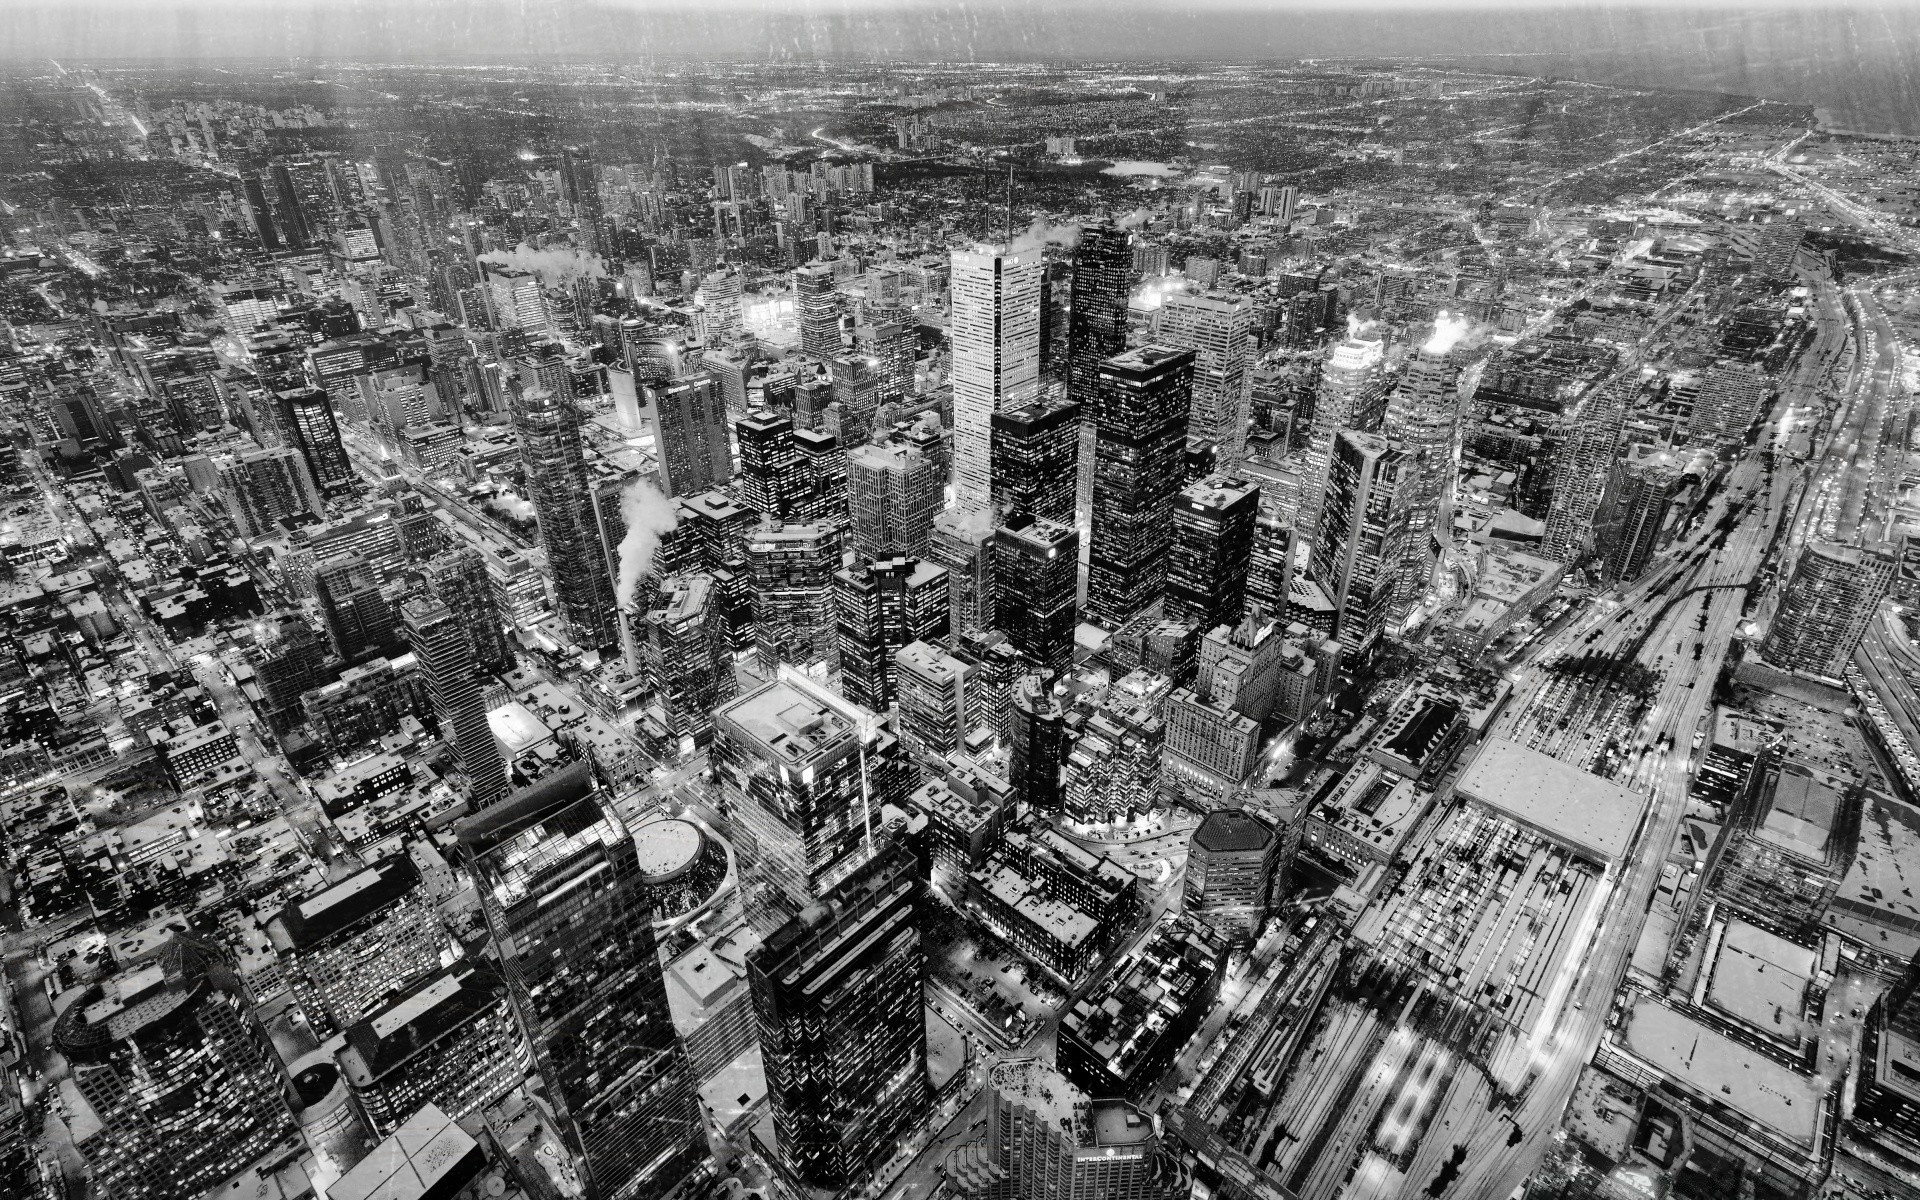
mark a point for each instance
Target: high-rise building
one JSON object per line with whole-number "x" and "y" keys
{"x": 1825, "y": 609}
{"x": 441, "y": 642}
{"x": 1231, "y": 859}
{"x": 857, "y": 384}
{"x": 1039, "y": 741}
{"x": 184, "y": 1084}
{"x": 1036, "y": 577}
{"x": 1362, "y": 523}
{"x": 1047, "y": 1140}
{"x": 1218, "y": 328}
{"x": 1581, "y": 470}
{"x": 561, "y": 888}
{"x": 720, "y": 305}
{"x": 458, "y": 577}
{"x": 1140, "y": 421}
{"x": 823, "y": 479}
{"x": 684, "y": 650}
{"x": 802, "y": 771}
{"x": 880, "y": 606}
{"x": 894, "y": 491}
{"x": 580, "y": 187}
{"x": 516, "y": 301}
{"x": 1352, "y": 395}
{"x": 287, "y": 660}
{"x": 962, "y": 543}
{"x": 359, "y": 617}
{"x": 772, "y": 476}
{"x": 307, "y": 415}
{"x": 1422, "y": 415}
{"x": 690, "y": 419}
{"x": 790, "y": 572}
{"x": 1103, "y": 278}
{"x": 839, "y": 996}
{"x": 995, "y": 333}
{"x": 935, "y": 700}
{"x": 1641, "y": 495}
{"x": 818, "y": 307}
{"x": 551, "y": 455}
{"x": 1036, "y": 450}
{"x": 1211, "y": 552}
{"x": 447, "y": 1039}
{"x": 262, "y": 488}
{"x": 895, "y": 345}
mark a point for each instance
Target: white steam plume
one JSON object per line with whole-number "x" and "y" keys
{"x": 1134, "y": 219}
{"x": 649, "y": 516}
{"x": 1447, "y": 332}
{"x": 556, "y": 265}
{"x": 1041, "y": 234}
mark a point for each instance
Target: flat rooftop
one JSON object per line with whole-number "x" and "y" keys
{"x": 1760, "y": 980}
{"x": 1723, "y": 1070}
{"x": 1581, "y": 811}
{"x": 1876, "y": 903}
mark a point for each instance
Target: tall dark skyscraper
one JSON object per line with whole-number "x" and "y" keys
{"x": 306, "y": 414}
{"x": 561, "y": 889}
{"x": 458, "y": 576}
{"x": 772, "y": 477}
{"x": 840, "y": 998}
{"x": 548, "y": 427}
{"x": 1361, "y": 526}
{"x": 1643, "y": 493}
{"x": 1581, "y": 469}
{"x": 440, "y": 640}
{"x": 690, "y": 418}
{"x": 1036, "y": 578}
{"x": 1140, "y": 422}
{"x": 1212, "y": 552}
{"x": 1103, "y": 278}
{"x": 1036, "y": 449}
{"x": 359, "y": 616}
{"x": 1040, "y": 744}
{"x": 580, "y": 187}
{"x": 879, "y": 607}
{"x": 818, "y": 308}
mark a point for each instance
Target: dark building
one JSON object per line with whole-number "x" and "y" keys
{"x": 1035, "y": 450}
{"x": 690, "y": 417}
{"x": 548, "y": 426}
{"x": 772, "y": 475}
{"x": 1103, "y": 277}
{"x": 560, "y": 886}
{"x": 580, "y": 187}
{"x": 441, "y": 642}
{"x": 1140, "y": 433}
{"x": 1040, "y": 744}
{"x": 839, "y": 994}
{"x": 306, "y": 413}
{"x": 360, "y": 619}
{"x": 447, "y": 1040}
{"x": 1036, "y": 575}
{"x": 878, "y": 608}
{"x": 1212, "y": 552}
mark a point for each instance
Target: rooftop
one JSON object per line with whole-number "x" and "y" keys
{"x": 1724, "y": 1071}
{"x": 428, "y": 1155}
{"x": 1232, "y": 829}
{"x": 1579, "y": 810}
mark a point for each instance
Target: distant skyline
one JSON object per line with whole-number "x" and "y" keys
{"x": 1859, "y": 63}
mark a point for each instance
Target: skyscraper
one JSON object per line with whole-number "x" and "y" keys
{"x": 1047, "y": 1140}
{"x": 1218, "y": 328}
{"x": 684, "y": 649}
{"x": 818, "y": 307}
{"x": 1036, "y": 451}
{"x": 359, "y": 617}
{"x": 894, "y": 491}
{"x": 1103, "y": 277}
{"x": 1211, "y": 552}
{"x": 1352, "y": 395}
{"x": 1140, "y": 421}
{"x": 690, "y": 418}
{"x": 961, "y": 543}
{"x": 458, "y": 577}
{"x": 441, "y": 642}
{"x": 1040, "y": 744}
{"x": 308, "y": 415}
{"x": 185, "y": 1086}
{"x": 580, "y": 187}
{"x": 1231, "y": 860}
{"x": 548, "y": 428}
{"x": 1642, "y": 495}
{"x": 936, "y": 697}
{"x": 516, "y": 301}
{"x": 790, "y": 573}
{"x": 772, "y": 477}
{"x": 839, "y": 994}
{"x": 1421, "y": 417}
{"x": 1581, "y": 470}
{"x": 720, "y": 304}
{"x": 1826, "y": 607}
{"x": 857, "y": 384}
{"x": 1358, "y": 547}
{"x": 995, "y": 332}
{"x": 880, "y": 606}
{"x": 1036, "y": 576}
{"x": 560, "y": 887}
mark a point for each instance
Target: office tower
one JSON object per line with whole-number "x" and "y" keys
{"x": 1036, "y": 452}
{"x": 1270, "y": 571}
{"x": 358, "y": 615}
{"x": 896, "y": 345}
{"x": 1641, "y": 495}
{"x": 1140, "y": 422}
{"x": 685, "y": 656}
{"x": 1103, "y": 278}
{"x": 1218, "y": 328}
{"x": 448, "y": 1039}
{"x": 1352, "y": 395}
{"x": 772, "y": 476}
{"x": 1581, "y": 470}
{"x": 803, "y": 772}
{"x": 857, "y": 382}
{"x": 187, "y": 1090}
{"x": 894, "y": 491}
{"x": 1036, "y": 578}
{"x": 790, "y": 572}
{"x": 720, "y": 300}
{"x": 818, "y": 307}
{"x": 1231, "y": 859}
{"x": 288, "y": 661}
{"x": 690, "y": 419}
{"x": 1362, "y": 523}
{"x": 1825, "y": 609}
{"x": 1047, "y": 1140}
{"x": 560, "y": 887}
{"x": 822, "y": 499}
{"x": 1421, "y": 417}
{"x": 962, "y": 543}
{"x": 515, "y": 301}
{"x": 1211, "y": 552}
{"x": 306, "y": 413}
{"x": 935, "y": 695}
{"x": 580, "y": 187}
{"x": 1730, "y": 398}
{"x": 349, "y": 946}
{"x": 839, "y": 996}
{"x": 880, "y": 606}
{"x": 262, "y": 216}
{"x": 548, "y": 428}
{"x": 995, "y": 333}
{"x": 262, "y": 488}
{"x": 1039, "y": 741}
{"x": 441, "y": 642}
{"x": 458, "y": 577}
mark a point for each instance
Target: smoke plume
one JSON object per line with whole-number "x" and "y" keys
{"x": 1041, "y": 234}
{"x": 649, "y": 516}
{"x": 1134, "y": 219}
{"x": 556, "y": 265}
